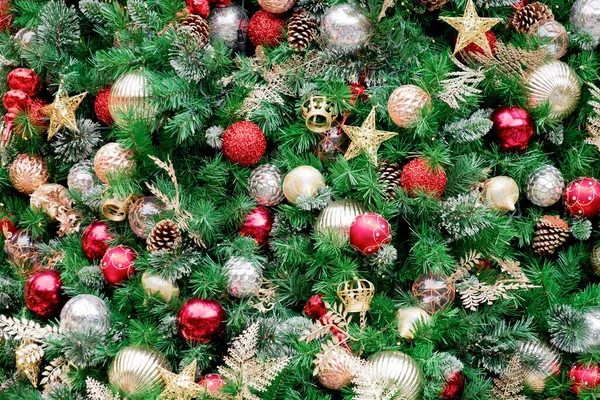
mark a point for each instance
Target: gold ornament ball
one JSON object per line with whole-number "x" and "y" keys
{"x": 276, "y": 6}
{"x": 27, "y": 172}
{"x": 398, "y": 369}
{"x": 164, "y": 288}
{"x": 302, "y": 181}
{"x": 408, "y": 319}
{"x": 49, "y": 198}
{"x": 135, "y": 370}
{"x": 501, "y": 193}
{"x": 335, "y": 368}
{"x": 405, "y": 104}
{"x": 336, "y": 218}
{"x": 595, "y": 259}
{"x": 558, "y": 85}
{"x": 111, "y": 159}
{"x": 130, "y": 97}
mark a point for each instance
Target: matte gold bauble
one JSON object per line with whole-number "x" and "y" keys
{"x": 113, "y": 159}
{"x": 155, "y": 284}
{"x": 302, "y": 181}
{"x": 398, "y": 369}
{"x": 501, "y": 193}
{"x": 335, "y": 370}
{"x": 408, "y": 319}
{"x": 405, "y": 104}
{"x": 27, "y": 172}
{"x": 135, "y": 370}
{"x": 130, "y": 97}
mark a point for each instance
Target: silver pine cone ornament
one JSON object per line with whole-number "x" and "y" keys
{"x": 545, "y": 186}
{"x": 165, "y": 236}
{"x": 551, "y": 232}
{"x": 527, "y": 16}
{"x": 302, "y": 28}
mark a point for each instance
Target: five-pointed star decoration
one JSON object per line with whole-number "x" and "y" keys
{"x": 366, "y": 138}
{"x": 181, "y": 386}
{"x": 62, "y": 112}
{"x": 471, "y": 29}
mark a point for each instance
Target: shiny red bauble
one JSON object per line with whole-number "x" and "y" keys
{"x": 513, "y": 127}
{"x": 198, "y": 7}
{"x": 315, "y": 307}
{"x": 94, "y": 240}
{"x": 417, "y": 175}
{"x": 258, "y": 224}
{"x": 266, "y": 29}
{"x": 201, "y": 321}
{"x": 369, "y": 232}
{"x": 220, "y": 3}
{"x": 101, "y": 106}
{"x": 213, "y": 383}
{"x": 582, "y": 197}
{"x": 244, "y": 143}
{"x": 6, "y": 17}
{"x": 454, "y": 386}
{"x": 472, "y": 48}
{"x": 24, "y": 79}
{"x": 584, "y": 377}
{"x": 7, "y": 226}
{"x": 43, "y": 293}
{"x": 117, "y": 264}
{"x": 16, "y": 100}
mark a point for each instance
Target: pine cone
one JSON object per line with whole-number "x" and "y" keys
{"x": 551, "y": 232}
{"x": 527, "y": 16}
{"x": 301, "y": 30}
{"x": 198, "y": 25}
{"x": 389, "y": 175}
{"x": 433, "y": 5}
{"x": 165, "y": 236}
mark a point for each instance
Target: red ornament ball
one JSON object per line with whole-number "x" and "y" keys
{"x": 315, "y": 307}
{"x": 266, "y": 29}
{"x": 43, "y": 293}
{"x": 584, "y": 377}
{"x": 101, "y": 106}
{"x": 94, "y": 240}
{"x": 6, "y": 18}
{"x": 258, "y": 225}
{"x": 475, "y": 48}
{"x": 369, "y": 232}
{"x": 25, "y": 80}
{"x": 220, "y": 3}
{"x": 513, "y": 127}
{"x": 16, "y": 100}
{"x": 454, "y": 386}
{"x": 418, "y": 175}
{"x": 7, "y": 226}
{"x": 201, "y": 320}
{"x": 198, "y": 7}
{"x": 117, "y": 264}
{"x": 213, "y": 383}
{"x": 244, "y": 143}
{"x": 36, "y": 115}
{"x": 582, "y": 197}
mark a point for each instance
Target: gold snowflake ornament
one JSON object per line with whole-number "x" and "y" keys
{"x": 181, "y": 386}
{"x": 62, "y": 112}
{"x": 366, "y": 138}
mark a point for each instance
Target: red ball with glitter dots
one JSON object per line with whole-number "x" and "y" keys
{"x": 584, "y": 377}
{"x": 369, "y": 232}
{"x": 418, "y": 175}
{"x": 582, "y": 197}
{"x": 101, "y": 106}
{"x": 117, "y": 264}
{"x": 265, "y": 28}
{"x": 244, "y": 143}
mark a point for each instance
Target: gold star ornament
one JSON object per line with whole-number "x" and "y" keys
{"x": 181, "y": 386}
{"x": 62, "y": 112}
{"x": 471, "y": 29}
{"x": 366, "y": 138}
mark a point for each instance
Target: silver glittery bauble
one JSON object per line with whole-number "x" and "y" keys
{"x": 265, "y": 184}
{"x": 82, "y": 178}
{"x": 545, "y": 186}
{"x": 558, "y": 85}
{"x": 224, "y": 23}
{"x": 130, "y": 96}
{"x": 85, "y": 313}
{"x": 539, "y": 361}
{"x": 336, "y": 218}
{"x": 135, "y": 370}
{"x": 396, "y": 368}
{"x": 345, "y": 30}
{"x": 243, "y": 277}
{"x": 585, "y": 17}
{"x": 593, "y": 322}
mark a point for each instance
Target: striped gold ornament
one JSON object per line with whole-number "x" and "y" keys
{"x": 135, "y": 370}
{"x": 336, "y": 218}
{"x": 398, "y": 369}
{"x": 130, "y": 96}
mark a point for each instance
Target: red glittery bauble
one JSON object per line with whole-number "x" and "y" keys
{"x": 6, "y": 17}
{"x": 258, "y": 224}
{"x": 36, "y": 115}
{"x": 582, "y": 197}
{"x": 212, "y": 382}
{"x": 101, "y": 106}
{"x": 584, "y": 377}
{"x": 7, "y": 225}
{"x": 220, "y": 3}
{"x": 368, "y": 232}
{"x": 16, "y": 100}
{"x": 43, "y": 293}
{"x": 198, "y": 7}
{"x": 25, "y": 80}
{"x": 475, "y": 48}
{"x": 244, "y": 143}
{"x": 315, "y": 307}
{"x": 201, "y": 320}
{"x": 93, "y": 240}
{"x": 266, "y": 29}
{"x": 513, "y": 127}
{"x": 418, "y": 175}
{"x": 117, "y": 264}
{"x": 454, "y": 386}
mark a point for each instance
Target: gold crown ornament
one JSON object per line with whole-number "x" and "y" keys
{"x": 319, "y": 113}
{"x": 356, "y": 295}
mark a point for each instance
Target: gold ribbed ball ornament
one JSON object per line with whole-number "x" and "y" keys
{"x": 276, "y": 6}
{"x": 27, "y": 172}
{"x": 135, "y": 370}
{"x": 334, "y": 368}
{"x": 557, "y": 84}
{"x": 302, "y": 181}
{"x": 408, "y": 320}
{"x": 130, "y": 96}
{"x": 501, "y": 193}
{"x": 405, "y": 104}
{"x": 336, "y": 218}
{"x": 112, "y": 158}
{"x": 164, "y": 288}
{"x": 399, "y": 370}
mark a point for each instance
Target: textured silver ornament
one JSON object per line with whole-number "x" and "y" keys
{"x": 557, "y": 84}
{"x": 345, "y": 30}
{"x": 397, "y": 368}
{"x": 85, "y": 313}
{"x": 135, "y": 370}
{"x": 243, "y": 277}
{"x": 336, "y": 218}
{"x": 585, "y": 17}
{"x": 545, "y": 186}
{"x": 540, "y": 361}
{"x": 82, "y": 178}
{"x": 130, "y": 95}
{"x": 224, "y": 23}
{"x": 265, "y": 184}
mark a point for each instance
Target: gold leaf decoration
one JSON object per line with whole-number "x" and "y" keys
{"x": 508, "y": 385}
{"x": 28, "y": 359}
{"x": 593, "y": 125}
{"x": 98, "y": 391}
{"x": 460, "y": 85}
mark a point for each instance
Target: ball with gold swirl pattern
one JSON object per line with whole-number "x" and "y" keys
{"x": 112, "y": 158}
{"x": 27, "y": 172}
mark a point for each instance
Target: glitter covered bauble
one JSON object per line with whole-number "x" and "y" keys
{"x": 21, "y": 250}
{"x": 582, "y": 197}
{"x": 335, "y": 219}
{"x": 266, "y": 29}
{"x": 405, "y": 104}
{"x": 315, "y": 307}
{"x": 27, "y": 172}
{"x": 408, "y": 320}
{"x": 243, "y": 277}
{"x": 144, "y": 214}
{"x": 94, "y": 241}
{"x": 43, "y": 293}
{"x": 213, "y": 383}
{"x": 244, "y": 143}
{"x": 135, "y": 370}
{"x": 117, "y": 264}
{"x": 545, "y": 186}
{"x": 345, "y": 30}
{"x": 225, "y": 22}
{"x": 265, "y": 185}
{"x": 6, "y": 16}
{"x": 513, "y": 127}
{"x": 25, "y": 80}
{"x": 501, "y": 193}
{"x": 434, "y": 292}
{"x": 156, "y": 284}
{"x": 454, "y": 386}
{"x": 52, "y": 199}
{"x": 369, "y": 232}
{"x": 585, "y": 18}
{"x": 540, "y": 361}
{"x": 585, "y": 377}
{"x": 82, "y": 179}
{"x": 396, "y": 369}
{"x": 276, "y": 6}
{"x": 556, "y": 84}
{"x": 198, "y": 7}
{"x": 201, "y": 321}
{"x": 417, "y": 176}
{"x": 130, "y": 97}
{"x": 85, "y": 313}
{"x": 101, "y": 106}
{"x": 112, "y": 159}
{"x": 302, "y": 182}
{"x": 258, "y": 224}
{"x": 553, "y": 37}
{"x": 335, "y": 369}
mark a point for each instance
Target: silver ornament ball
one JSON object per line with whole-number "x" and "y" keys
{"x": 85, "y": 313}
{"x": 82, "y": 178}
{"x": 593, "y": 322}
{"x": 224, "y": 23}
{"x": 243, "y": 277}
{"x": 336, "y": 218}
{"x": 265, "y": 184}
{"x": 585, "y": 18}
{"x": 345, "y": 30}
{"x": 545, "y": 186}
{"x": 397, "y": 369}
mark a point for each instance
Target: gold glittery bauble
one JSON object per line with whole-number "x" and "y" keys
{"x": 557, "y": 84}
{"x": 335, "y": 368}
{"x": 302, "y": 181}
{"x": 396, "y": 368}
{"x": 49, "y": 197}
{"x": 405, "y": 104}
{"x": 501, "y": 193}
{"x": 408, "y": 319}
{"x": 276, "y": 6}
{"x": 135, "y": 370}
{"x": 113, "y": 159}
{"x": 155, "y": 284}
{"x": 27, "y": 172}
{"x": 130, "y": 97}
{"x": 336, "y": 218}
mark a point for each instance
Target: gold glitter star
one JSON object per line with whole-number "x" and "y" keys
{"x": 62, "y": 112}
{"x": 181, "y": 386}
{"x": 366, "y": 138}
{"x": 471, "y": 29}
